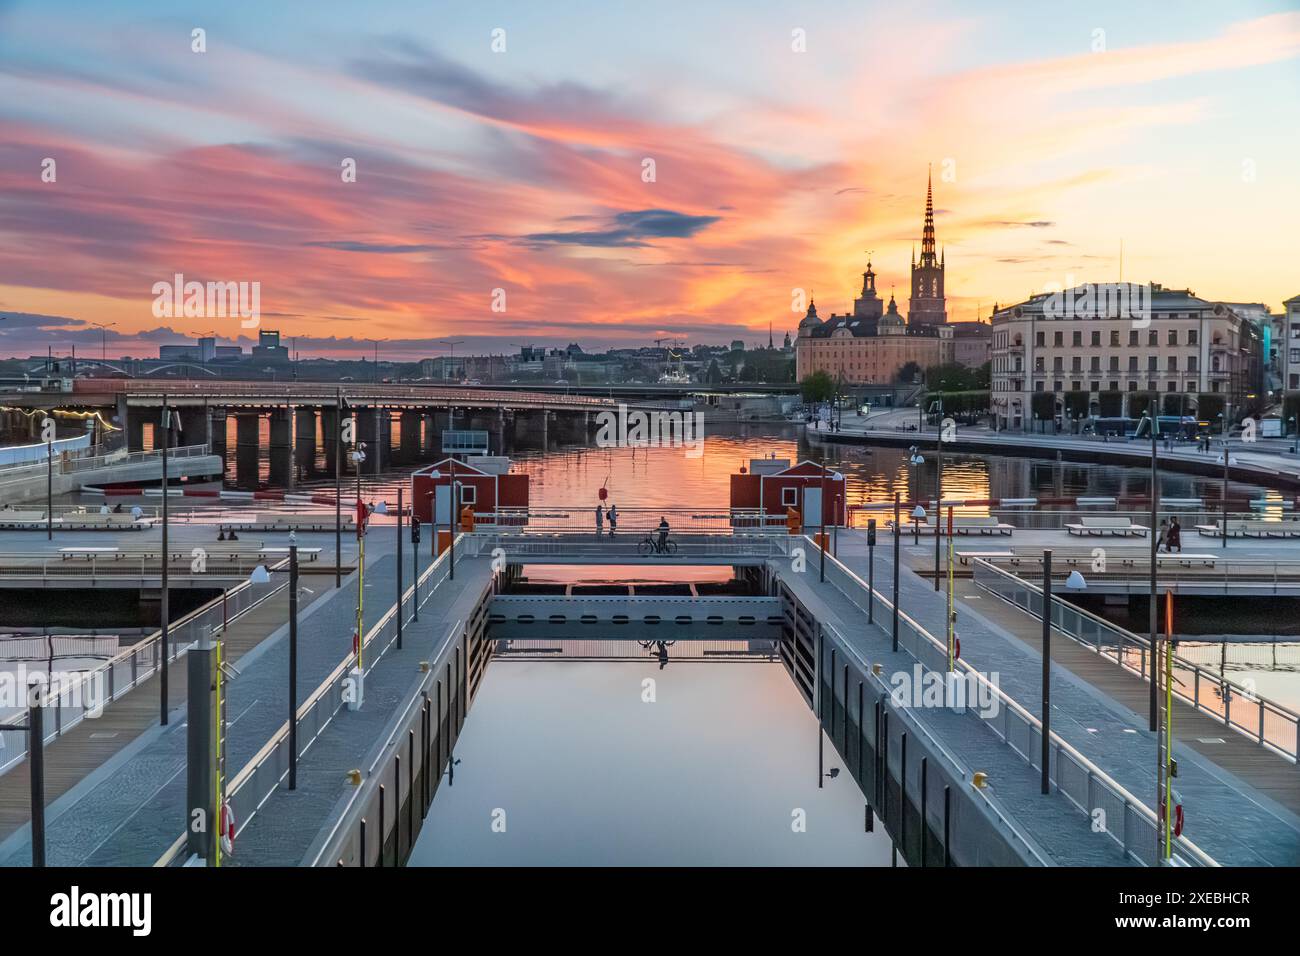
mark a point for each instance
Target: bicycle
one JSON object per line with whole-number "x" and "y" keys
{"x": 650, "y": 545}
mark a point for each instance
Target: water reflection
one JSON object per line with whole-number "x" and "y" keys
{"x": 581, "y": 769}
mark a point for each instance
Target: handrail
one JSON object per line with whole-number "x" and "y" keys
{"x": 1062, "y": 746}
{"x": 1144, "y": 645}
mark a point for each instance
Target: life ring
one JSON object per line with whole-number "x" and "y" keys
{"x": 227, "y": 829}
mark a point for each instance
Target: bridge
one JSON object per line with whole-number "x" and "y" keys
{"x": 303, "y": 418}
{"x": 954, "y": 781}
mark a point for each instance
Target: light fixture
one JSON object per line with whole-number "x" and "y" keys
{"x": 260, "y": 575}
{"x": 1076, "y": 581}
{"x": 918, "y": 513}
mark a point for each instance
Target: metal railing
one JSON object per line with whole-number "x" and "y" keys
{"x": 624, "y": 544}
{"x": 430, "y": 396}
{"x": 1262, "y": 720}
{"x": 1047, "y": 517}
{"x": 633, "y": 520}
{"x": 258, "y": 779}
{"x": 1194, "y": 572}
{"x": 133, "y": 566}
{"x": 88, "y": 692}
{"x": 1084, "y": 784}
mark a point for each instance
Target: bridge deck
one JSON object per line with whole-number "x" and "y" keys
{"x": 131, "y": 808}
{"x": 1228, "y": 817}
{"x": 75, "y": 755}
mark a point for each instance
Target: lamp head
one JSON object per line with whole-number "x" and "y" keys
{"x": 1076, "y": 581}
{"x": 260, "y": 575}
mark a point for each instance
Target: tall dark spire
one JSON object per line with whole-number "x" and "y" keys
{"x": 927, "y": 237}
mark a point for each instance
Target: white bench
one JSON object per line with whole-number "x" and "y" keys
{"x": 1106, "y": 526}
{"x": 304, "y": 554}
{"x": 90, "y": 553}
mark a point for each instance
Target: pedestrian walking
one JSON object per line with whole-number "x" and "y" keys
{"x": 1175, "y": 540}
{"x": 1163, "y": 540}
{"x": 612, "y": 515}
{"x": 600, "y": 520}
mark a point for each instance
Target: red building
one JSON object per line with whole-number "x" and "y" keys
{"x": 485, "y": 484}
{"x": 772, "y": 485}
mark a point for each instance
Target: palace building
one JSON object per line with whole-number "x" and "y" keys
{"x": 873, "y": 344}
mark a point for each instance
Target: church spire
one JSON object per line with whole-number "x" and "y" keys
{"x": 927, "y": 236}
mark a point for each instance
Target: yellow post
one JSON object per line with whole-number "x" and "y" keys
{"x": 1169, "y": 721}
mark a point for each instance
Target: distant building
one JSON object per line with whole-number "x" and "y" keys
{"x": 972, "y": 343}
{"x": 457, "y": 368}
{"x": 1118, "y": 340}
{"x": 268, "y": 350}
{"x": 1289, "y": 346}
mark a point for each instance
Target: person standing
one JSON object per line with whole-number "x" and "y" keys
{"x": 1163, "y": 541}
{"x": 663, "y": 535}
{"x": 613, "y": 519}
{"x": 600, "y": 520}
{"x": 1175, "y": 540}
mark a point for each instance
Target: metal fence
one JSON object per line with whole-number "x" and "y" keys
{"x": 634, "y": 520}
{"x": 85, "y": 694}
{"x": 1084, "y": 784}
{"x": 1262, "y": 720}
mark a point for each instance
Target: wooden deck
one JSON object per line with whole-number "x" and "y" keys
{"x": 89, "y": 745}
{"x": 1238, "y": 754}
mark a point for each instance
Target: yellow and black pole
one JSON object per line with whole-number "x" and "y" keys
{"x": 1170, "y": 768}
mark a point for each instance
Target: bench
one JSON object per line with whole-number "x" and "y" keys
{"x": 90, "y": 553}
{"x": 98, "y": 521}
{"x": 16, "y": 519}
{"x": 1106, "y": 526}
{"x": 304, "y": 554}
{"x": 1252, "y": 529}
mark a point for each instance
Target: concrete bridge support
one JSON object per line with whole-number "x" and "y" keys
{"x": 411, "y": 436}
{"x": 281, "y": 448}
{"x": 196, "y": 426}
{"x": 374, "y": 428}
{"x": 247, "y": 446}
{"x": 304, "y": 442}
{"x": 531, "y": 428}
{"x": 134, "y": 429}
{"x": 217, "y": 431}
{"x": 572, "y": 427}
{"x": 329, "y": 436}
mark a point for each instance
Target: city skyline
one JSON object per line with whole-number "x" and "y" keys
{"x": 777, "y": 167}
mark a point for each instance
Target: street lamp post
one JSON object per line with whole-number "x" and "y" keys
{"x": 163, "y": 603}
{"x": 1154, "y": 701}
{"x": 1225, "y": 492}
{"x": 338, "y": 487}
{"x": 898, "y": 538}
{"x": 938, "y": 488}
{"x": 293, "y": 662}
{"x": 400, "y": 582}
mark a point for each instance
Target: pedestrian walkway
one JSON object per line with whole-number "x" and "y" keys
{"x": 1229, "y": 818}
{"x": 130, "y": 809}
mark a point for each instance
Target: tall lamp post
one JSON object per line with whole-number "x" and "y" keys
{"x": 260, "y": 575}
{"x": 1154, "y": 701}
{"x": 163, "y": 604}
{"x": 338, "y": 487}
{"x": 1075, "y": 581}
{"x": 938, "y": 489}
{"x": 898, "y": 540}
{"x": 916, "y": 460}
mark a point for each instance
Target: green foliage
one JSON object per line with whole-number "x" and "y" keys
{"x": 1111, "y": 404}
{"x": 959, "y": 378}
{"x": 1043, "y": 405}
{"x": 817, "y": 387}
{"x": 1209, "y": 406}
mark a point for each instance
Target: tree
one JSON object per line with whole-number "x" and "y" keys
{"x": 908, "y": 373}
{"x": 817, "y": 387}
{"x": 714, "y": 374}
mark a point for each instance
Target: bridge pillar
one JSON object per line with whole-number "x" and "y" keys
{"x": 410, "y": 436}
{"x": 217, "y": 431}
{"x": 374, "y": 428}
{"x": 383, "y": 457}
{"x": 281, "y": 447}
{"x": 196, "y": 426}
{"x": 134, "y": 429}
{"x": 247, "y": 447}
{"x": 329, "y": 436}
{"x": 304, "y": 432}
{"x": 201, "y": 719}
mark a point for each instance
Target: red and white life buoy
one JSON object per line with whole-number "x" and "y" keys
{"x": 227, "y": 829}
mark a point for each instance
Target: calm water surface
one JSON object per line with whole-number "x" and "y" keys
{"x": 583, "y": 771}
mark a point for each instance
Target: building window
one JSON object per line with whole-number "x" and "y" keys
{"x": 1096, "y": 363}
{"x": 1076, "y": 339}
{"x": 1191, "y": 363}
{"x": 1038, "y": 339}
{"x": 1173, "y": 363}
{"x": 1056, "y": 337}
{"x": 1114, "y": 386}
{"x": 1173, "y": 336}
{"x": 468, "y": 495}
{"x": 1114, "y": 337}
{"x": 1153, "y": 338}
{"x": 1132, "y": 363}
{"x": 1114, "y": 363}
{"x": 1191, "y": 336}
{"x": 790, "y": 499}
{"x": 1133, "y": 338}
{"x": 1095, "y": 386}
{"x": 1096, "y": 338}
{"x": 1153, "y": 363}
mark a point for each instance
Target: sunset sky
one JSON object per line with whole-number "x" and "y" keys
{"x": 1055, "y": 132}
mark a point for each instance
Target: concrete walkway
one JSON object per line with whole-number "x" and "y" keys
{"x": 1231, "y": 820}
{"x": 131, "y": 808}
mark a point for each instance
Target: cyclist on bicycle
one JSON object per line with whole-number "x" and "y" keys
{"x": 663, "y": 535}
